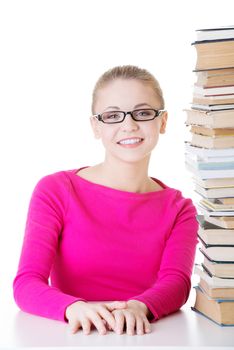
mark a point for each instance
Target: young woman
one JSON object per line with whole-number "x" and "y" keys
{"x": 108, "y": 246}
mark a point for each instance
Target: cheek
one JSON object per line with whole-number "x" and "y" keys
{"x": 152, "y": 133}
{"x": 107, "y": 136}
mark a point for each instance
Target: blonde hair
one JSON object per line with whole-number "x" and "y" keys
{"x": 127, "y": 72}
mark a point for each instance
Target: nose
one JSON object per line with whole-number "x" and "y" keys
{"x": 129, "y": 122}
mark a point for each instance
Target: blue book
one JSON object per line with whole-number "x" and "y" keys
{"x": 214, "y": 163}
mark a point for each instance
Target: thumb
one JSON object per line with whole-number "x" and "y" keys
{"x": 116, "y": 305}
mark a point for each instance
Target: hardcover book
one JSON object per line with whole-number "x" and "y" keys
{"x": 220, "y": 311}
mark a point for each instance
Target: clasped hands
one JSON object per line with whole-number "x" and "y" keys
{"x": 117, "y": 316}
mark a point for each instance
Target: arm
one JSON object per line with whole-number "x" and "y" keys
{"x": 44, "y": 225}
{"x": 173, "y": 284}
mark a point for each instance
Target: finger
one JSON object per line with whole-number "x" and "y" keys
{"x": 107, "y": 316}
{"x": 130, "y": 322}
{"x": 147, "y": 325}
{"x": 106, "y": 324}
{"x": 119, "y": 321}
{"x": 98, "y": 323}
{"x": 74, "y": 326}
{"x": 86, "y": 325}
{"x": 116, "y": 305}
{"x": 139, "y": 326}
{"x": 109, "y": 327}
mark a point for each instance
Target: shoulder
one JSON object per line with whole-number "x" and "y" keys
{"x": 185, "y": 211}
{"x": 57, "y": 182}
{"x": 178, "y": 203}
{"x": 182, "y": 202}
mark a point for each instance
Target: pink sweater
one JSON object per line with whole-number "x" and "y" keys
{"x": 86, "y": 241}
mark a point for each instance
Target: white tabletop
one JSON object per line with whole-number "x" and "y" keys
{"x": 184, "y": 328}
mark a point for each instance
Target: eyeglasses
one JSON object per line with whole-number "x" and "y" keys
{"x": 139, "y": 115}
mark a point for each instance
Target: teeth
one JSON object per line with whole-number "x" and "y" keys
{"x": 127, "y": 142}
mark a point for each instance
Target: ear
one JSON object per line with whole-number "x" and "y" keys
{"x": 95, "y": 127}
{"x": 163, "y": 123}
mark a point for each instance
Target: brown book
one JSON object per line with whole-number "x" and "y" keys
{"x": 221, "y": 312}
{"x": 197, "y": 129}
{"x": 229, "y": 200}
{"x": 213, "y": 119}
{"x": 214, "y": 205}
{"x": 215, "y": 78}
{"x": 222, "y": 221}
{"x": 212, "y": 141}
{"x": 214, "y": 54}
{"x": 222, "y": 293}
{"x": 213, "y": 100}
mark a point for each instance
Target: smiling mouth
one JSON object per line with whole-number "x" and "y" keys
{"x": 130, "y": 142}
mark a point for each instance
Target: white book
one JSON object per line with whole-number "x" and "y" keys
{"x": 213, "y": 281}
{"x": 210, "y": 174}
{"x": 212, "y": 91}
{"x": 209, "y": 159}
{"x": 206, "y": 152}
{"x": 210, "y": 163}
{"x": 208, "y": 212}
{"x": 211, "y": 107}
{"x": 220, "y": 33}
{"x": 215, "y": 235}
{"x": 214, "y": 183}
{"x": 222, "y": 192}
{"x": 216, "y": 97}
{"x": 217, "y": 269}
{"x": 219, "y": 254}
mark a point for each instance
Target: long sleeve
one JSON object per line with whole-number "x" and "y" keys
{"x": 173, "y": 284}
{"x": 85, "y": 241}
{"x": 44, "y": 225}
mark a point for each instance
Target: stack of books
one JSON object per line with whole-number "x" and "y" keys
{"x": 209, "y": 155}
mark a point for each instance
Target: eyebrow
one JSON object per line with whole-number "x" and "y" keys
{"x": 136, "y": 106}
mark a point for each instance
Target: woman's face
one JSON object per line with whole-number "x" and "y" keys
{"x": 127, "y": 95}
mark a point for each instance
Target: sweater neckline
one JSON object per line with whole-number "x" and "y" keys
{"x": 112, "y": 191}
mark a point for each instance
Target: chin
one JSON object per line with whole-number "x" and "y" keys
{"x": 133, "y": 159}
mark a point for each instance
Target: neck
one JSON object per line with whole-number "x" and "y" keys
{"x": 125, "y": 176}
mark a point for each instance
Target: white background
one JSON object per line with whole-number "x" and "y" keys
{"x": 52, "y": 53}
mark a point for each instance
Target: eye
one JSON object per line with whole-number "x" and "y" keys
{"x": 144, "y": 113}
{"x": 111, "y": 115}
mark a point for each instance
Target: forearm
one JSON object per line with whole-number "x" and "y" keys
{"x": 36, "y": 297}
{"x": 165, "y": 297}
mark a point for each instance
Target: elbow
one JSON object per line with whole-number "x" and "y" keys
{"x": 19, "y": 294}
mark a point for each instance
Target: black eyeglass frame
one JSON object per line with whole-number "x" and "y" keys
{"x": 158, "y": 112}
